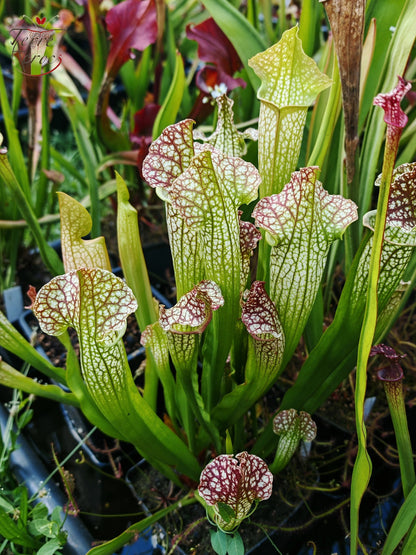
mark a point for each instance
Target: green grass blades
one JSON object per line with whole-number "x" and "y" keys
{"x": 403, "y": 523}
{"x": 8, "y": 179}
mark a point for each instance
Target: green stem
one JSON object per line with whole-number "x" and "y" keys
{"x": 362, "y": 467}
{"x": 111, "y": 546}
{"x": 395, "y": 398}
{"x": 282, "y": 17}
{"x": 132, "y": 257}
{"x": 329, "y": 121}
{"x": 99, "y": 48}
{"x": 42, "y": 202}
{"x": 10, "y": 377}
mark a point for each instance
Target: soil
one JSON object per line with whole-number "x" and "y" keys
{"x": 310, "y": 500}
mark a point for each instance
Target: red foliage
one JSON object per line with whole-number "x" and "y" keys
{"x": 215, "y": 48}
{"x": 132, "y": 25}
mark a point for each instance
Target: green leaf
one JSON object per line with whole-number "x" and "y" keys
{"x": 219, "y": 541}
{"x": 310, "y": 25}
{"x": 136, "y": 276}
{"x": 11, "y": 340}
{"x": 169, "y": 110}
{"x": 39, "y": 511}
{"x": 227, "y": 513}
{"x": 131, "y": 256}
{"x": 50, "y": 547}
{"x": 409, "y": 546}
{"x": 235, "y": 544}
{"x": 223, "y": 544}
{"x": 43, "y": 527}
{"x": 24, "y": 419}
{"x": 239, "y": 31}
{"x": 8, "y": 179}
{"x": 14, "y": 531}
{"x": 10, "y": 377}
{"x": 6, "y": 505}
{"x": 17, "y": 158}
{"x": 108, "y": 548}
{"x": 403, "y": 522}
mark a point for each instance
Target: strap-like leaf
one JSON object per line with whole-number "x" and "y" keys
{"x": 8, "y": 179}
{"x": 404, "y": 521}
{"x": 131, "y": 256}
{"x": 170, "y": 107}
{"x": 14, "y": 342}
{"x": 10, "y": 377}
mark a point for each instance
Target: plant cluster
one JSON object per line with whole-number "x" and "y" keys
{"x": 25, "y": 527}
{"x": 281, "y": 191}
